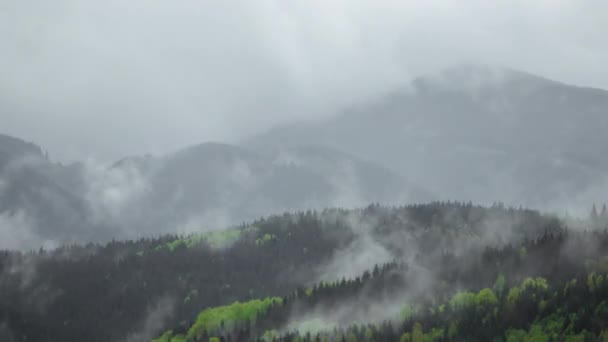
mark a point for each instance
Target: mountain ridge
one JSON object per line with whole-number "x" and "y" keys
{"x": 505, "y": 135}
{"x": 207, "y": 185}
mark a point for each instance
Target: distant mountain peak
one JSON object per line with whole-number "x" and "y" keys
{"x": 473, "y": 77}
{"x": 214, "y": 151}
{"x": 12, "y": 148}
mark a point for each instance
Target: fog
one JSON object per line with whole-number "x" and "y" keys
{"x": 104, "y": 79}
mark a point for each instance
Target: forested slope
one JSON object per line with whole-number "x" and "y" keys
{"x": 548, "y": 289}
{"x": 337, "y": 266}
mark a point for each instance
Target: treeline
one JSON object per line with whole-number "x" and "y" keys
{"x": 105, "y": 292}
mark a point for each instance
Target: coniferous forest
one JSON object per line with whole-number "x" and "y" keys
{"x": 303, "y": 171}
{"x": 443, "y": 271}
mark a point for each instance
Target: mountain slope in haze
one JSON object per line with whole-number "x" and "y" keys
{"x": 478, "y": 133}
{"x": 469, "y": 133}
{"x": 40, "y": 201}
{"x": 215, "y": 185}
{"x": 12, "y": 149}
{"x": 207, "y": 186}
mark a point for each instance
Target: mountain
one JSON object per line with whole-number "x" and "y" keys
{"x": 476, "y": 132}
{"x": 12, "y": 149}
{"x": 40, "y": 202}
{"x": 207, "y": 186}
{"x": 214, "y": 185}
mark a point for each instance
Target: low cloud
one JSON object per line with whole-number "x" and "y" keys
{"x": 153, "y": 323}
{"x": 18, "y": 231}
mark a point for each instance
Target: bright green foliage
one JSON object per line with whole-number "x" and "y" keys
{"x": 220, "y": 238}
{"x": 515, "y": 335}
{"x": 548, "y": 329}
{"x": 523, "y": 252}
{"x": 575, "y": 338}
{"x": 269, "y": 335}
{"x": 179, "y": 338}
{"x": 595, "y": 281}
{"x": 591, "y": 281}
{"x": 405, "y": 337}
{"x": 571, "y": 283}
{"x": 407, "y": 311}
{"x": 211, "y": 319}
{"x": 486, "y": 298}
{"x": 417, "y": 333}
{"x": 462, "y": 301}
{"x": 534, "y": 283}
{"x": 499, "y": 285}
{"x": 173, "y": 245}
{"x": 266, "y": 238}
{"x": 553, "y": 325}
{"x": 168, "y": 337}
{"x": 536, "y": 334}
{"x": 214, "y": 339}
{"x": 436, "y": 334}
{"x": 215, "y": 239}
{"x": 599, "y": 281}
{"x": 530, "y": 286}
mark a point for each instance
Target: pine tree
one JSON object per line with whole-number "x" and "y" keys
{"x": 604, "y": 214}
{"x": 594, "y": 216}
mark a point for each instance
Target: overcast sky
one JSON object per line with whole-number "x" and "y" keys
{"x": 106, "y": 78}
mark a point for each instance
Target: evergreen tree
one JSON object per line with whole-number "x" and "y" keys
{"x": 594, "y": 216}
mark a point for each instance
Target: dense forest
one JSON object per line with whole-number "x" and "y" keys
{"x": 438, "y": 271}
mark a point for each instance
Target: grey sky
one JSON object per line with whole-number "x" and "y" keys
{"x": 101, "y": 79}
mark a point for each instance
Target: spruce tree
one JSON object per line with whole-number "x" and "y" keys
{"x": 594, "y": 216}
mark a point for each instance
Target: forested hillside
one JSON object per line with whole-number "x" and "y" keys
{"x": 455, "y": 270}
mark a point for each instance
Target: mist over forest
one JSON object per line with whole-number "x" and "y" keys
{"x": 303, "y": 171}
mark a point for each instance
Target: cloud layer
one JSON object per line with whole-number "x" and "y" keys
{"x": 105, "y": 79}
